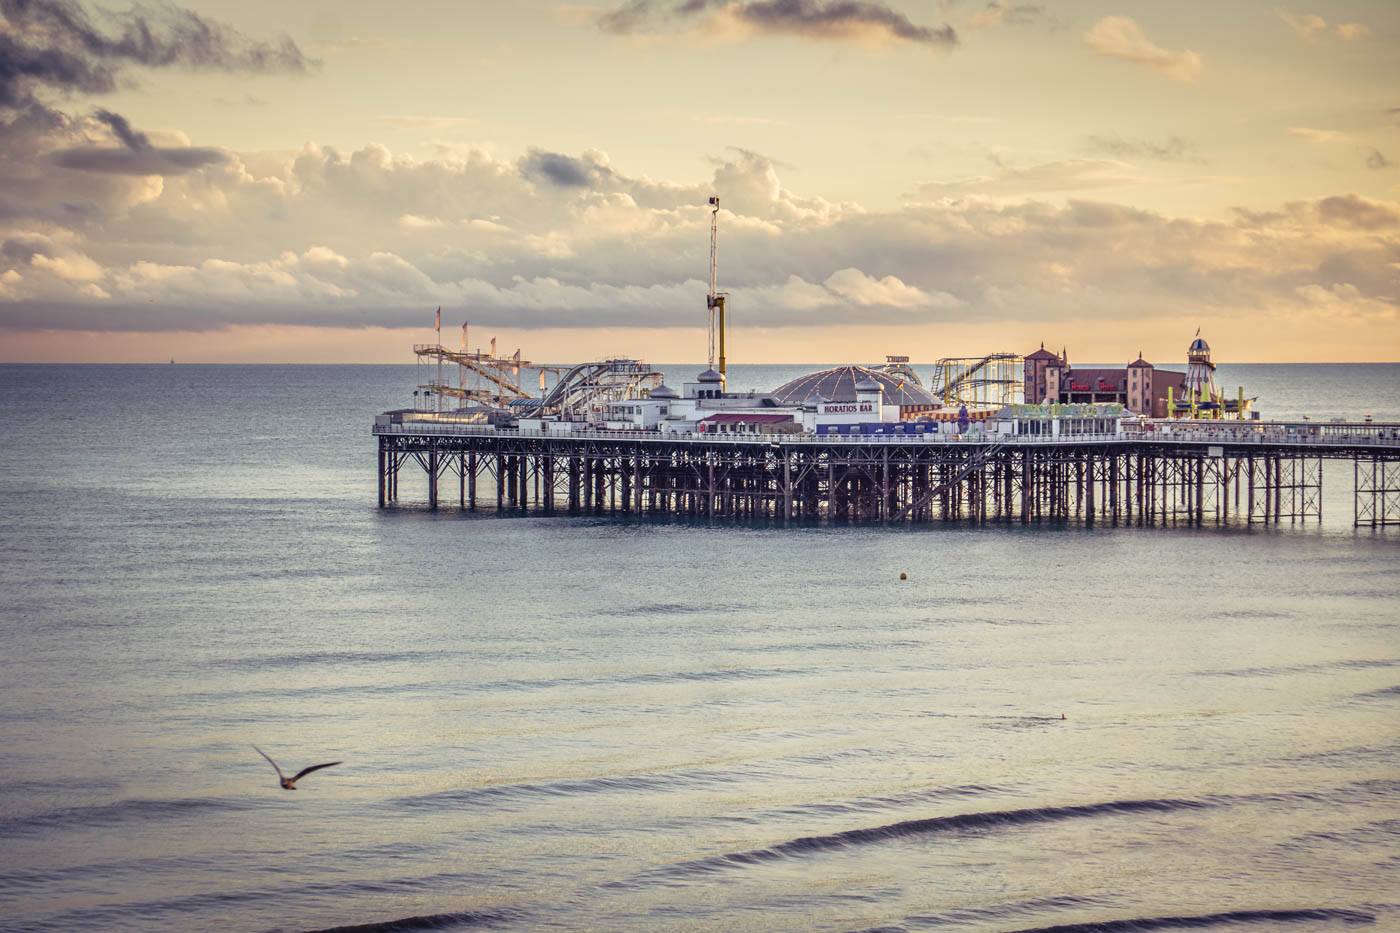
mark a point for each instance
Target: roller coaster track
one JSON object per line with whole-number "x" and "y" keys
{"x": 587, "y": 385}
{"x": 954, "y": 376}
{"x": 483, "y": 366}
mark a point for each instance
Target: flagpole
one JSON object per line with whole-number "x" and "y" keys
{"x": 437, "y": 323}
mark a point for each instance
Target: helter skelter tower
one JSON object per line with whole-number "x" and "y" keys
{"x": 1200, "y": 373}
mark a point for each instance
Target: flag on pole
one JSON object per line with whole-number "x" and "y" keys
{"x": 437, "y": 321}
{"x": 464, "y": 336}
{"x": 493, "y": 348}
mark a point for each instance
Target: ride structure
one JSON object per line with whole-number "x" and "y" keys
{"x": 990, "y": 381}
{"x": 1199, "y": 397}
{"x": 899, "y": 366}
{"x": 715, "y": 300}
{"x": 482, "y": 378}
{"x": 584, "y": 391}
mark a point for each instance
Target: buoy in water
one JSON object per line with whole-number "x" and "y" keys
{"x": 904, "y": 576}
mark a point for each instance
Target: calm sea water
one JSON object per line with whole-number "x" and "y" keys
{"x": 595, "y": 724}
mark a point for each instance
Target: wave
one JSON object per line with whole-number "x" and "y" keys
{"x": 1227, "y": 918}
{"x": 114, "y": 813}
{"x": 267, "y": 661}
{"x": 1382, "y": 693}
{"x": 666, "y": 609}
{"x": 1320, "y": 667}
{"x": 963, "y": 916}
{"x": 430, "y": 922}
{"x": 809, "y": 845}
{"x": 630, "y": 783}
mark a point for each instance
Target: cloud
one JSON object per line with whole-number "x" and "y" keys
{"x": 1319, "y": 136}
{"x": 565, "y": 171}
{"x": 1312, "y": 27}
{"x": 1066, "y": 175}
{"x": 138, "y": 157}
{"x": 861, "y": 289}
{"x": 55, "y": 46}
{"x": 1375, "y": 159}
{"x": 1308, "y": 25}
{"x": 837, "y": 20}
{"x": 248, "y": 100}
{"x": 414, "y": 122}
{"x": 1120, "y": 37}
{"x": 40, "y": 254}
{"x": 997, "y": 13}
{"x": 371, "y": 237}
{"x": 725, "y": 119}
{"x": 149, "y": 161}
{"x": 1172, "y": 149}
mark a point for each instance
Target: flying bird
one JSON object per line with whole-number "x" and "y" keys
{"x": 290, "y": 783}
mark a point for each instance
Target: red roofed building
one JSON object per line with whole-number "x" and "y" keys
{"x": 1139, "y": 387}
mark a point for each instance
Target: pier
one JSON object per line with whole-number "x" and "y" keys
{"x": 1160, "y": 472}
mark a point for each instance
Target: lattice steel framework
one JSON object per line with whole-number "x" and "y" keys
{"x": 888, "y": 481}
{"x": 1377, "y": 499}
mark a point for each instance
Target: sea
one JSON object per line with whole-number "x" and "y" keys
{"x": 599, "y": 723}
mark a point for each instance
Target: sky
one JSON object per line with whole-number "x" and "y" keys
{"x": 271, "y": 182}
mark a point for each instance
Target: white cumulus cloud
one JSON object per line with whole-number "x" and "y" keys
{"x": 1122, "y": 38}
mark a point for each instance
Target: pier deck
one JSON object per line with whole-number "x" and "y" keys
{"x": 1162, "y": 472}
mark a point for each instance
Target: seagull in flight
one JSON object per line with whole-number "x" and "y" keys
{"x": 290, "y": 783}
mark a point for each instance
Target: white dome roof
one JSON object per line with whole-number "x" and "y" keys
{"x": 839, "y": 385}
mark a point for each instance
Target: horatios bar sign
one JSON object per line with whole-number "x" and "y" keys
{"x": 847, "y": 408}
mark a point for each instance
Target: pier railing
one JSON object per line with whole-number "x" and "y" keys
{"x": 1381, "y": 436}
{"x": 705, "y": 437}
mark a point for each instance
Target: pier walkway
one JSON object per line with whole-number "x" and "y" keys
{"x": 1155, "y": 472}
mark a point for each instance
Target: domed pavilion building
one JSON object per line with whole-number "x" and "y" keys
{"x": 841, "y": 385}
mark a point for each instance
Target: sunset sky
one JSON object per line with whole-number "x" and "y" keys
{"x": 262, "y": 181}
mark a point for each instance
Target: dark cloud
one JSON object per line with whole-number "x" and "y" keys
{"x": 56, "y": 46}
{"x": 1349, "y": 210}
{"x": 21, "y": 249}
{"x": 139, "y": 157}
{"x": 564, "y": 171}
{"x": 149, "y": 161}
{"x": 628, "y": 18}
{"x": 248, "y": 101}
{"x": 997, "y": 13}
{"x": 812, "y": 19}
{"x": 1377, "y": 160}
{"x": 123, "y": 130}
{"x": 1173, "y": 149}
